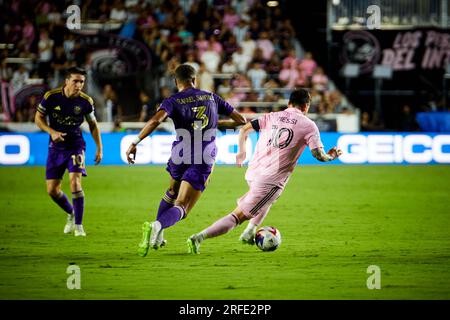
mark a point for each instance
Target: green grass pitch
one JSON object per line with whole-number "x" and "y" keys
{"x": 335, "y": 221}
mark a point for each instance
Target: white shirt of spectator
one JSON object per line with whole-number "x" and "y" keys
{"x": 257, "y": 76}
{"x": 241, "y": 61}
{"x": 206, "y": 81}
{"x": 229, "y": 67}
{"x": 211, "y": 59}
{"x": 45, "y": 49}
{"x": 248, "y": 47}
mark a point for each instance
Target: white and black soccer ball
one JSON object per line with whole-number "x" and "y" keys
{"x": 268, "y": 238}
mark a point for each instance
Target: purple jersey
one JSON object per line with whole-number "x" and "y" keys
{"x": 195, "y": 114}
{"x": 66, "y": 115}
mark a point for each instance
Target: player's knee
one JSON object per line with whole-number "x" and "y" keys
{"x": 53, "y": 192}
{"x": 75, "y": 185}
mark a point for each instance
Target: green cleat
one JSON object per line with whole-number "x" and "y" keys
{"x": 193, "y": 245}
{"x": 144, "y": 245}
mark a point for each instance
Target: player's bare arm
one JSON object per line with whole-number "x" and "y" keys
{"x": 41, "y": 122}
{"x": 149, "y": 127}
{"x": 237, "y": 119}
{"x": 320, "y": 154}
{"x": 243, "y": 135}
{"x": 95, "y": 132}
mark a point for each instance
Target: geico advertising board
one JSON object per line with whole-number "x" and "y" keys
{"x": 364, "y": 148}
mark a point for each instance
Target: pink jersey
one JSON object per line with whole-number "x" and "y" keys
{"x": 283, "y": 137}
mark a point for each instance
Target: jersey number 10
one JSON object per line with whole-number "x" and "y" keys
{"x": 277, "y": 135}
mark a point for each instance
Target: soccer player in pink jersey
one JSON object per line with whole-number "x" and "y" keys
{"x": 283, "y": 137}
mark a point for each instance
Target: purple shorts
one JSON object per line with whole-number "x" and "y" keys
{"x": 196, "y": 174}
{"x": 60, "y": 160}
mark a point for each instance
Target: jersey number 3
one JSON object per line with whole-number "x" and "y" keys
{"x": 200, "y": 116}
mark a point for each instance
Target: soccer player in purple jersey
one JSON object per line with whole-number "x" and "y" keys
{"x": 195, "y": 115}
{"x": 66, "y": 108}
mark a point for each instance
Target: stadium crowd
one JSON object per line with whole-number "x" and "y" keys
{"x": 244, "y": 50}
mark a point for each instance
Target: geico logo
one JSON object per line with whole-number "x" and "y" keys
{"x": 157, "y": 149}
{"x": 17, "y": 142}
{"x": 414, "y": 148}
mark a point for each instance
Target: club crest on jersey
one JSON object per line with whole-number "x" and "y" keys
{"x": 77, "y": 109}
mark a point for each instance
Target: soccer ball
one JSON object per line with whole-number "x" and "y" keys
{"x": 268, "y": 238}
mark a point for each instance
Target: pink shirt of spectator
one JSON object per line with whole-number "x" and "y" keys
{"x": 283, "y": 137}
{"x": 289, "y": 77}
{"x": 230, "y": 19}
{"x": 308, "y": 64}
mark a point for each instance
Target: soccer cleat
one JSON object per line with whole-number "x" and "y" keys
{"x": 160, "y": 241}
{"x": 154, "y": 235}
{"x": 79, "y": 231}
{"x": 248, "y": 236}
{"x": 70, "y": 225}
{"x": 143, "y": 246}
{"x": 193, "y": 244}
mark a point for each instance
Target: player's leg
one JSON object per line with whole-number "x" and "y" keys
{"x": 60, "y": 198}
{"x": 54, "y": 172}
{"x": 77, "y": 169}
{"x": 248, "y": 235}
{"x": 186, "y": 200}
{"x": 257, "y": 200}
{"x": 78, "y": 202}
{"x": 166, "y": 203}
{"x": 220, "y": 227}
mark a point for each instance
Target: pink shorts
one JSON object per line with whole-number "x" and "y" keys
{"x": 258, "y": 199}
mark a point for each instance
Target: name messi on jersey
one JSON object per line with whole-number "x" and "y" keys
{"x": 287, "y": 120}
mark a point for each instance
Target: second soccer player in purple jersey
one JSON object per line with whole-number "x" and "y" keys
{"x": 66, "y": 108}
{"x": 195, "y": 114}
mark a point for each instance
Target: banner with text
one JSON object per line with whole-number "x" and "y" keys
{"x": 362, "y": 148}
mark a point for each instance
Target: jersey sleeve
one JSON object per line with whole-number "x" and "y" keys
{"x": 223, "y": 107}
{"x": 90, "y": 114}
{"x": 43, "y": 105}
{"x": 313, "y": 137}
{"x": 167, "y": 106}
{"x": 263, "y": 121}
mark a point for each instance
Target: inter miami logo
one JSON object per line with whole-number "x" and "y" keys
{"x": 77, "y": 110}
{"x": 360, "y": 47}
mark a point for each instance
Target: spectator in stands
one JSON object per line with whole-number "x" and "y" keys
{"x": 45, "y": 54}
{"x": 224, "y": 89}
{"x": 149, "y": 108}
{"x": 205, "y": 79}
{"x": 240, "y": 30}
{"x": 59, "y": 64}
{"x": 228, "y": 66}
{"x": 20, "y": 78}
{"x": 112, "y": 109}
{"x": 6, "y": 72}
{"x": 190, "y": 60}
{"x": 201, "y": 44}
{"x": 257, "y": 75}
{"x": 69, "y": 46}
{"x": 339, "y": 103}
{"x": 241, "y": 60}
{"x": 248, "y": 45}
{"x": 266, "y": 45}
{"x": 408, "y": 119}
{"x": 289, "y": 76}
{"x": 308, "y": 64}
{"x": 211, "y": 59}
{"x": 26, "y": 112}
{"x": 28, "y": 34}
{"x": 118, "y": 12}
{"x": 319, "y": 80}
{"x": 230, "y": 46}
{"x": 230, "y": 18}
